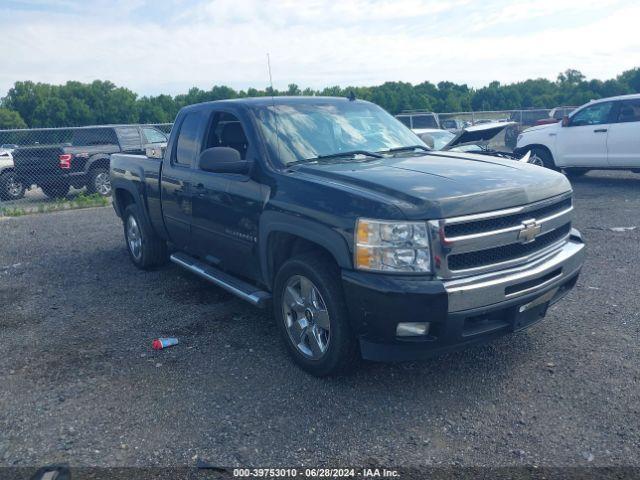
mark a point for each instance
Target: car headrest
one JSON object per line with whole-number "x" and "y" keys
{"x": 233, "y": 133}
{"x": 627, "y": 112}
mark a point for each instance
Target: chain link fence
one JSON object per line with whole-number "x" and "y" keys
{"x": 45, "y": 169}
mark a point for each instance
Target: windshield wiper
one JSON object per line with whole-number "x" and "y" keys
{"x": 406, "y": 149}
{"x": 350, "y": 153}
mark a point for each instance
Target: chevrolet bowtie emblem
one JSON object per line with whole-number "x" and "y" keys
{"x": 529, "y": 231}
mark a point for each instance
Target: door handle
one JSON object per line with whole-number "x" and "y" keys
{"x": 600, "y": 130}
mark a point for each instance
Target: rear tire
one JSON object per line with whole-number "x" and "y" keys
{"x": 10, "y": 188}
{"x": 544, "y": 156}
{"x": 314, "y": 327}
{"x": 59, "y": 190}
{"x": 99, "y": 182}
{"x": 146, "y": 249}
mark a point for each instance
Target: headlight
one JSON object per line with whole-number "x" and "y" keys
{"x": 392, "y": 246}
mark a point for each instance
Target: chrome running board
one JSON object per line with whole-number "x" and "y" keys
{"x": 231, "y": 284}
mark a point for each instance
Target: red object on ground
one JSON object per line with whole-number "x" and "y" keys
{"x": 160, "y": 343}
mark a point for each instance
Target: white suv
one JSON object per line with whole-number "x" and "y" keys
{"x": 601, "y": 135}
{"x": 10, "y": 188}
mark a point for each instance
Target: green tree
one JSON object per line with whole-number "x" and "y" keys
{"x": 11, "y": 119}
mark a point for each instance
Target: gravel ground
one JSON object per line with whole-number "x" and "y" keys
{"x": 82, "y": 385}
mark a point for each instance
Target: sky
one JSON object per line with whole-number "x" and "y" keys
{"x": 168, "y": 46}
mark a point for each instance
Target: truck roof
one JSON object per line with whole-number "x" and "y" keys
{"x": 278, "y": 100}
{"x": 631, "y": 96}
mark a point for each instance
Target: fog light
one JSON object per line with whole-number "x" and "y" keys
{"x": 412, "y": 329}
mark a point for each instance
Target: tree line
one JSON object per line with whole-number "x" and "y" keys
{"x": 29, "y": 104}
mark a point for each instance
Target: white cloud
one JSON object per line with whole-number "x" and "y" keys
{"x": 168, "y": 47}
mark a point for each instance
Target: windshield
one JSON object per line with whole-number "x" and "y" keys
{"x": 310, "y": 130}
{"x": 437, "y": 140}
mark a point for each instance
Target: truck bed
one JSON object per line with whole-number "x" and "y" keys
{"x": 140, "y": 176}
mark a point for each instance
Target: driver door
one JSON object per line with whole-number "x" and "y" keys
{"x": 583, "y": 143}
{"x": 227, "y": 206}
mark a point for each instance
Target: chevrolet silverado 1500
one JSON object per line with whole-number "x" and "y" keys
{"x": 363, "y": 240}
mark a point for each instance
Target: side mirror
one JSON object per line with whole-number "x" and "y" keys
{"x": 222, "y": 160}
{"x": 155, "y": 151}
{"x": 565, "y": 121}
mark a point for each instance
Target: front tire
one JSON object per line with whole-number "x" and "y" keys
{"x": 99, "y": 182}
{"x": 145, "y": 248}
{"x": 540, "y": 156}
{"x": 575, "y": 172}
{"x": 312, "y": 316}
{"x": 10, "y": 188}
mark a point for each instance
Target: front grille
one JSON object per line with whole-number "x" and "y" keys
{"x": 498, "y": 223}
{"x": 504, "y": 253}
{"x": 487, "y": 242}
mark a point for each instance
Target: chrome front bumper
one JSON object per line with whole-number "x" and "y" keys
{"x": 491, "y": 288}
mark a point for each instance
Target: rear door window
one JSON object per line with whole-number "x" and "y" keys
{"x": 629, "y": 111}
{"x": 424, "y": 121}
{"x": 406, "y": 120}
{"x": 188, "y": 139}
{"x": 93, "y": 136}
{"x": 129, "y": 138}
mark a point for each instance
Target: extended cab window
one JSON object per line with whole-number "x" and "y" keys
{"x": 629, "y": 111}
{"x": 226, "y": 131}
{"x": 187, "y": 146}
{"x": 594, "y": 115}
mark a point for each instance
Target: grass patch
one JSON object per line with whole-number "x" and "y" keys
{"x": 80, "y": 201}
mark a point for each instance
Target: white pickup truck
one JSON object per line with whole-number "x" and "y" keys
{"x": 601, "y": 135}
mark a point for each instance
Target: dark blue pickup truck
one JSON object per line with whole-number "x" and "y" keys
{"x": 363, "y": 240}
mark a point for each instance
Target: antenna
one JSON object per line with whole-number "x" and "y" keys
{"x": 270, "y": 77}
{"x": 273, "y": 103}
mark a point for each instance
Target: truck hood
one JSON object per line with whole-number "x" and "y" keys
{"x": 443, "y": 184}
{"x": 477, "y": 134}
{"x": 546, "y": 126}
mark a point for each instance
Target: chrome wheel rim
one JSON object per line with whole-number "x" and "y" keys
{"x": 536, "y": 160}
{"x": 134, "y": 238}
{"x": 14, "y": 188}
{"x": 306, "y": 317}
{"x": 102, "y": 183}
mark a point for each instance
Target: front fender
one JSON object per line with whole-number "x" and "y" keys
{"x": 312, "y": 231}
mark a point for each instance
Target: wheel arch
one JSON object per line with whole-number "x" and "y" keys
{"x": 100, "y": 160}
{"x": 535, "y": 145}
{"x": 282, "y": 236}
{"x": 122, "y": 198}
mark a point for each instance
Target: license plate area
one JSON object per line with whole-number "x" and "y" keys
{"x": 531, "y": 312}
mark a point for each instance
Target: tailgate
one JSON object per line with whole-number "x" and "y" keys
{"x": 33, "y": 163}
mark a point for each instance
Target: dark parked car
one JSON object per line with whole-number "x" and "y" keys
{"x": 415, "y": 120}
{"x": 82, "y": 162}
{"x": 363, "y": 240}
